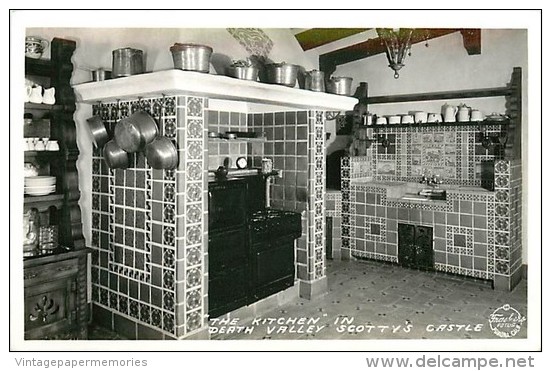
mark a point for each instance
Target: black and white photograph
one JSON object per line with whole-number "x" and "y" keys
{"x": 275, "y": 180}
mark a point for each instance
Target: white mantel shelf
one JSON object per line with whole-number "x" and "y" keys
{"x": 178, "y": 82}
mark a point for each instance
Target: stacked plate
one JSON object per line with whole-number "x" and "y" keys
{"x": 39, "y": 185}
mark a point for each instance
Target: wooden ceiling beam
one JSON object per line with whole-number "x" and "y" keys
{"x": 472, "y": 40}
{"x": 328, "y": 62}
{"x": 315, "y": 37}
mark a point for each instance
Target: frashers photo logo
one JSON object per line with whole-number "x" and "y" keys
{"x": 506, "y": 321}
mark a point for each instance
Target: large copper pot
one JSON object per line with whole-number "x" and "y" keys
{"x": 133, "y": 133}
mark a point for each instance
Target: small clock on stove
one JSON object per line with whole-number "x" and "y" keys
{"x": 241, "y": 163}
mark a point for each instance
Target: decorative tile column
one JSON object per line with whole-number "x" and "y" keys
{"x": 347, "y": 204}
{"x": 507, "y": 224}
{"x": 316, "y": 281}
{"x": 191, "y": 217}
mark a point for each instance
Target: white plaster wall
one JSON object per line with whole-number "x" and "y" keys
{"x": 94, "y": 50}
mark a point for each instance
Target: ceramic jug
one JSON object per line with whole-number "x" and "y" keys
{"x": 49, "y": 96}
{"x": 36, "y": 95}
{"x": 421, "y": 117}
{"x": 449, "y": 112}
{"x": 463, "y": 113}
{"x": 369, "y": 119}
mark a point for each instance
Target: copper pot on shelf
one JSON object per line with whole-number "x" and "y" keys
{"x": 315, "y": 81}
{"x": 339, "y": 86}
{"x": 281, "y": 74}
{"x": 127, "y": 62}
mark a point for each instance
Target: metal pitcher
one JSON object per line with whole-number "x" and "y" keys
{"x": 127, "y": 62}
{"x": 315, "y": 81}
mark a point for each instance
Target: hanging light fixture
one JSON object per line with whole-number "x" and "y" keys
{"x": 398, "y": 44}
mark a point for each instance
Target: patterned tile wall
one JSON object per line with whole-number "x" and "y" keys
{"x": 455, "y": 153}
{"x": 333, "y": 203}
{"x": 295, "y": 143}
{"x": 147, "y": 222}
{"x": 287, "y": 146}
{"x": 333, "y": 216}
{"x": 219, "y": 150}
{"x": 516, "y": 216}
{"x": 475, "y": 234}
{"x": 461, "y": 229}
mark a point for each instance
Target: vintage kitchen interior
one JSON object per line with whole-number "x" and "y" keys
{"x": 295, "y": 184}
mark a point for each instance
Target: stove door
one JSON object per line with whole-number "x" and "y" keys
{"x": 274, "y": 266}
{"x": 227, "y": 204}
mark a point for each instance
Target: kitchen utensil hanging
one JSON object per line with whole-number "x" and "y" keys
{"x": 115, "y": 156}
{"x": 133, "y": 133}
{"x": 161, "y": 153}
{"x": 98, "y": 131}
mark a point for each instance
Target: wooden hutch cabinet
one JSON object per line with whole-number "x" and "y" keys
{"x": 55, "y": 280}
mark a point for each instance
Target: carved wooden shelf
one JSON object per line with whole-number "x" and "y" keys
{"x": 42, "y": 155}
{"x": 38, "y": 67}
{"x": 43, "y": 202}
{"x": 55, "y": 284}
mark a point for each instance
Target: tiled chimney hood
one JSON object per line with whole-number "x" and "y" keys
{"x": 178, "y": 82}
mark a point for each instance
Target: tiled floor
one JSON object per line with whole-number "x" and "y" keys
{"x": 100, "y": 333}
{"x": 366, "y": 296}
{"x": 373, "y": 300}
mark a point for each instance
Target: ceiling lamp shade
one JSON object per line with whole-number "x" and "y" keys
{"x": 397, "y": 42}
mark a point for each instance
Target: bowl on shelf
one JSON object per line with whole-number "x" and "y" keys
{"x": 35, "y": 47}
{"x": 243, "y": 70}
{"x": 40, "y": 181}
{"x": 282, "y": 74}
{"x": 394, "y": 119}
{"x": 39, "y": 190}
